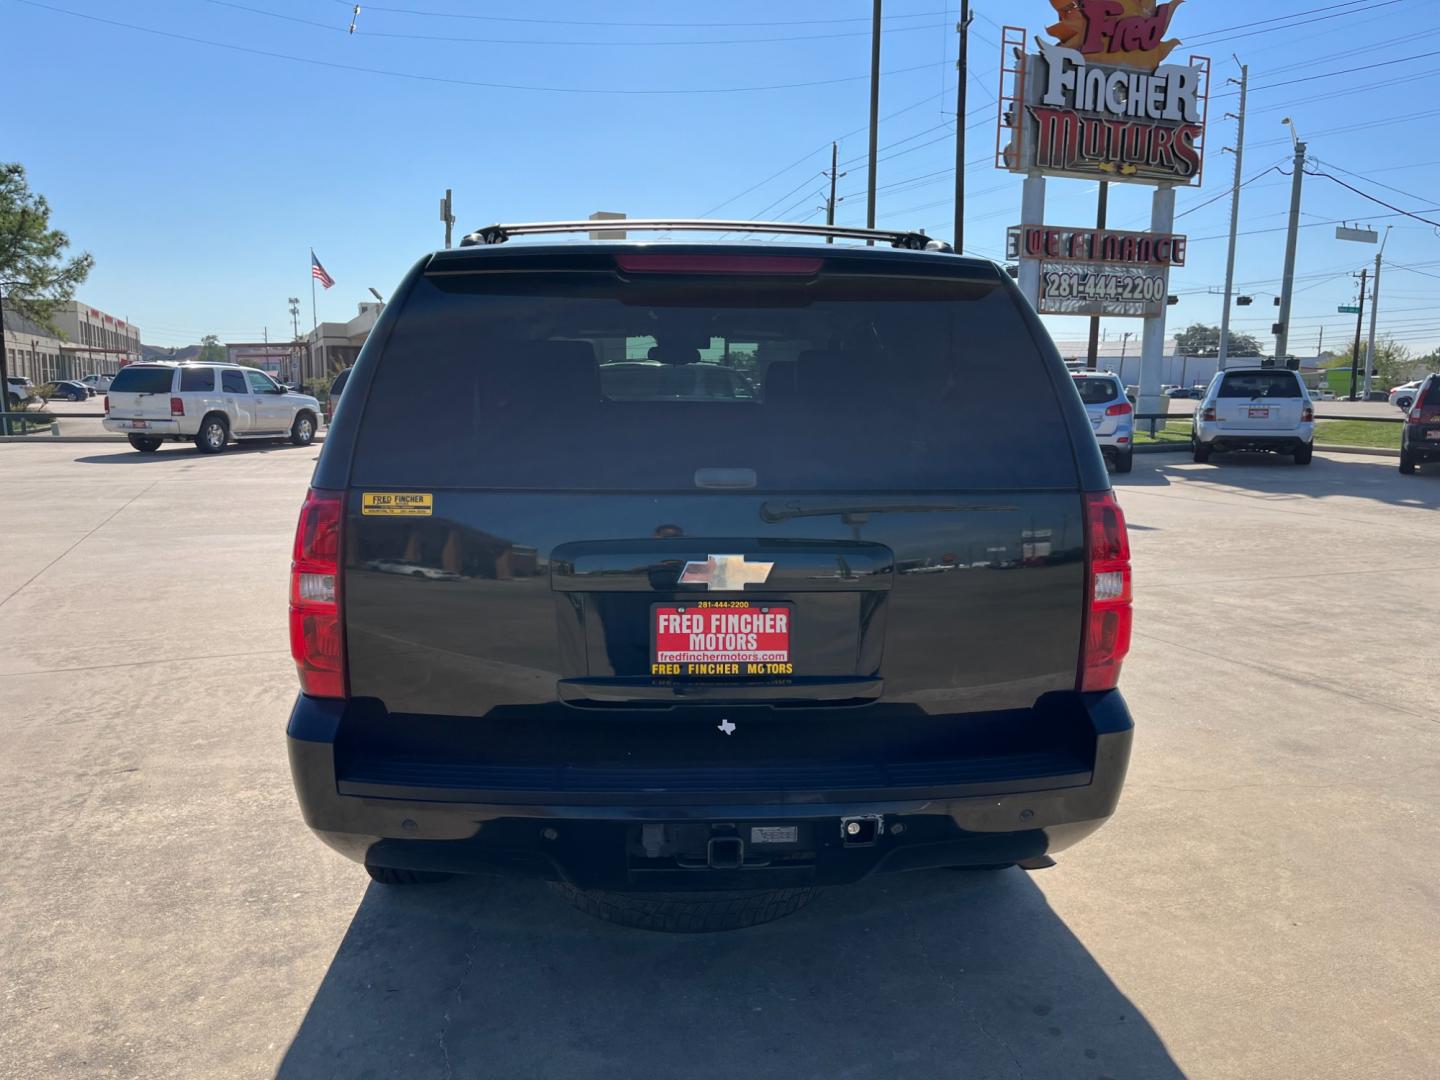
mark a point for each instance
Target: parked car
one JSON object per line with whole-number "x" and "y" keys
{"x": 332, "y": 399}
{"x": 1402, "y": 397}
{"x": 98, "y": 384}
{"x": 18, "y": 391}
{"x": 64, "y": 390}
{"x": 1420, "y": 437}
{"x": 207, "y": 403}
{"x": 1112, "y": 417}
{"x": 1190, "y": 392}
{"x": 679, "y": 658}
{"x": 1255, "y": 409}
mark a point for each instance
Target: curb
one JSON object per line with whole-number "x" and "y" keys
{"x": 1373, "y": 451}
{"x": 47, "y": 439}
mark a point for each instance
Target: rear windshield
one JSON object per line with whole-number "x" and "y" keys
{"x": 1097, "y": 391}
{"x": 133, "y": 380}
{"x": 842, "y": 384}
{"x": 339, "y": 383}
{"x": 1258, "y": 384}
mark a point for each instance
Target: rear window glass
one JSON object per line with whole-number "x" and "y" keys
{"x": 197, "y": 378}
{"x": 233, "y": 382}
{"x": 1258, "y": 384}
{"x": 847, "y": 383}
{"x": 1097, "y": 391}
{"x": 134, "y": 380}
{"x": 339, "y": 383}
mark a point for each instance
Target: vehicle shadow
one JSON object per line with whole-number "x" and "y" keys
{"x": 963, "y": 974}
{"x": 124, "y": 454}
{"x": 1374, "y": 478}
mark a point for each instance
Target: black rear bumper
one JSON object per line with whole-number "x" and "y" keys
{"x": 631, "y": 827}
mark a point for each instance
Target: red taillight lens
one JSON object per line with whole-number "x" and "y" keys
{"x": 105, "y": 404}
{"x": 1122, "y": 409}
{"x": 317, "y": 631}
{"x": 1108, "y": 616}
{"x": 177, "y": 406}
{"x": 1208, "y": 414}
{"x": 718, "y": 264}
{"x": 1307, "y": 414}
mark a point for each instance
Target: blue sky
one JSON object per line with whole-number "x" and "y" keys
{"x": 200, "y": 175}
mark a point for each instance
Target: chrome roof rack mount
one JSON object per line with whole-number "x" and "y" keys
{"x": 498, "y": 234}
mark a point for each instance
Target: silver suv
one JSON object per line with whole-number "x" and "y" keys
{"x": 1112, "y": 417}
{"x": 1255, "y": 409}
{"x": 207, "y": 403}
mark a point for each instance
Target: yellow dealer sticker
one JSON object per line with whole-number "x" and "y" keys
{"x": 396, "y": 504}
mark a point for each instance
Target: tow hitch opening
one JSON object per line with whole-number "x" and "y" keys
{"x": 861, "y": 831}
{"x": 726, "y": 853}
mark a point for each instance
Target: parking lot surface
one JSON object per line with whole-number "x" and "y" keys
{"x": 1264, "y": 904}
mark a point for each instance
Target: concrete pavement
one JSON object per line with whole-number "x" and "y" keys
{"x": 1263, "y": 905}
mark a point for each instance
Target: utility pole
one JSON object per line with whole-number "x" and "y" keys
{"x": 962, "y": 67}
{"x": 1374, "y": 312}
{"x": 1093, "y": 357}
{"x": 874, "y": 116}
{"x": 834, "y": 175}
{"x": 1239, "y": 152}
{"x": 1359, "y": 321}
{"x": 447, "y": 215}
{"x": 4, "y": 372}
{"x": 1287, "y": 288}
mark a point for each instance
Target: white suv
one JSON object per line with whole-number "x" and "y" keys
{"x": 1255, "y": 409}
{"x": 208, "y": 403}
{"x": 1112, "y": 417}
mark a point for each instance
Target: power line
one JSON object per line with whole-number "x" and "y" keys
{"x": 451, "y": 81}
{"x": 1372, "y": 198}
{"x": 546, "y": 41}
{"x": 1301, "y": 19}
{"x": 662, "y": 25}
{"x": 1343, "y": 71}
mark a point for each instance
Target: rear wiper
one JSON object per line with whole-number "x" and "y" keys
{"x": 770, "y": 512}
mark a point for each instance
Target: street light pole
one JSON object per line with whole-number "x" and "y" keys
{"x": 962, "y": 66}
{"x": 1287, "y": 288}
{"x": 874, "y": 116}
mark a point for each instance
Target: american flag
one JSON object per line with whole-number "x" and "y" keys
{"x": 319, "y": 273}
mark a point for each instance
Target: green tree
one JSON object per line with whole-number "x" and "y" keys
{"x": 211, "y": 351}
{"x": 1200, "y": 339}
{"x": 34, "y": 272}
{"x": 1394, "y": 363}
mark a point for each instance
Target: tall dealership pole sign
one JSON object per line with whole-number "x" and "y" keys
{"x": 1100, "y": 99}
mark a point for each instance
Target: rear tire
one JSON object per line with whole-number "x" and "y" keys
{"x": 1304, "y": 454}
{"x": 1407, "y": 464}
{"x": 1404, "y": 403}
{"x": 688, "y": 912}
{"x": 213, "y": 435}
{"x": 1202, "y": 453}
{"x": 386, "y": 875}
{"x": 146, "y": 444}
{"x": 1125, "y": 462}
{"x": 302, "y": 432}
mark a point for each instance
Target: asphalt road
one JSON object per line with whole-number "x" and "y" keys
{"x": 1265, "y": 903}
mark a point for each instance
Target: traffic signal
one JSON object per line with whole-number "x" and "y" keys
{"x": 1172, "y": 300}
{"x": 1244, "y": 301}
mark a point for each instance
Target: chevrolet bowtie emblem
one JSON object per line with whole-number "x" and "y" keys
{"x": 725, "y": 573}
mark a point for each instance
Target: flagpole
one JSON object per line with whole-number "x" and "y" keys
{"x": 314, "y": 319}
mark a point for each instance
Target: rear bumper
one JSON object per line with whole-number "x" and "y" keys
{"x": 1284, "y": 442}
{"x": 1416, "y": 444}
{"x": 652, "y": 835}
{"x": 162, "y": 428}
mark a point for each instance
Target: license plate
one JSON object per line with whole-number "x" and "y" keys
{"x": 1432, "y": 434}
{"x": 728, "y": 639}
{"x": 1259, "y": 414}
{"x": 139, "y": 423}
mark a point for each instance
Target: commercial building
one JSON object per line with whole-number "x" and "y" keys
{"x": 95, "y": 341}
{"x": 274, "y": 358}
{"x": 333, "y": 346}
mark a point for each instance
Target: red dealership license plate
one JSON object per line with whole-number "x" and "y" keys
{"x": 721, "y": 637}
{"x": 1259, "y": 414}
{"x": 139, "y": 423}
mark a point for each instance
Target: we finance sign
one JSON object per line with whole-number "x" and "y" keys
{"x": 1101, "y": 101}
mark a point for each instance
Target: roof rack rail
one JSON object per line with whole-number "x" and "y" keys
{"x": 498, "y": 234}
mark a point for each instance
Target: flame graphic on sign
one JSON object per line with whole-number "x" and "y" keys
{"x": 1071, "y": 30}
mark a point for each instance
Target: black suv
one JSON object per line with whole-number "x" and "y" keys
{"x": 1420, "y": 437}
{"x": 696, "y": 575}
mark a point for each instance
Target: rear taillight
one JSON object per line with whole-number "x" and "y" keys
{"x": 1415, "y": 414}
{"x": 105, "y": 404}
{"x": 177, "y": 406}
{"x": 1108, "y": 615}
{"x": 1208, "y": 414}
{"x": 1122, "y": 409}
{"x": 1307, "y": 413}
{"x": 317, "y": 631}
